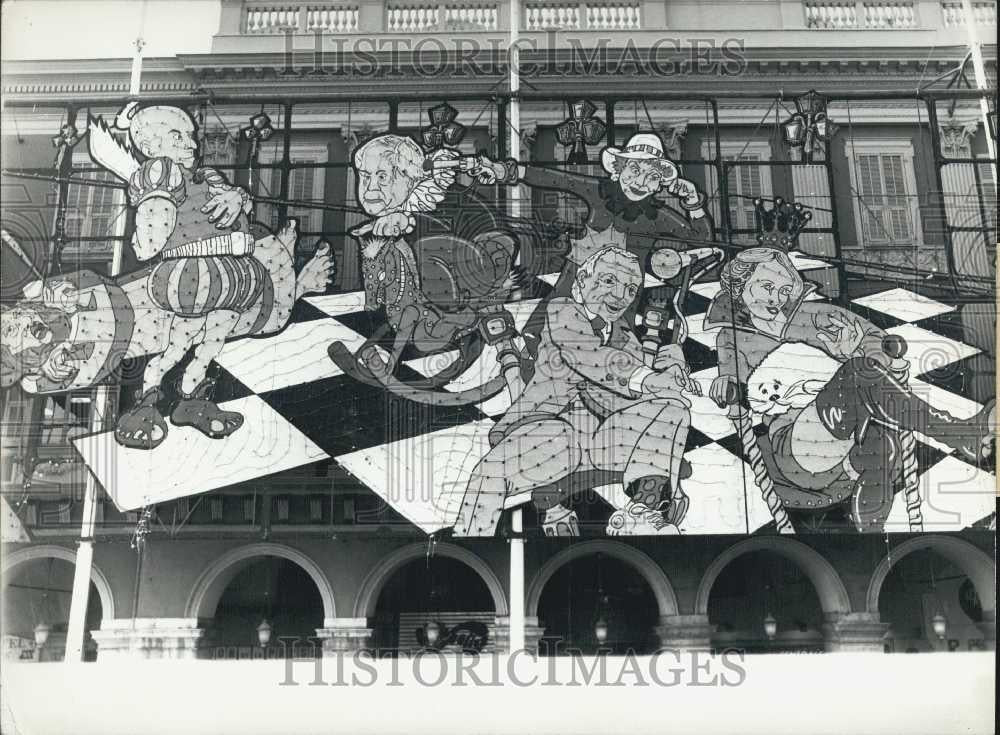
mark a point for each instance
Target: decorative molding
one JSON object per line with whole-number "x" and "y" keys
{"x": 672, "y": 134}
{"x": 956, "y": 137}
{"x": 529, "y": 134}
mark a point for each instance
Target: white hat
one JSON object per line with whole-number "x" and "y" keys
{"x": 641, "y": 146}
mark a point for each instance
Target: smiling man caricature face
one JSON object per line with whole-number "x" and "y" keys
{"x": 608, "y": 283}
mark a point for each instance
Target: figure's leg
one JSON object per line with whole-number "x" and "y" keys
{"x": 646, "y": 442}
{"x": 858, "y": 386}
{"x": 875, "y": 458}
{"x": 534, "y": 455}
{"x": 143, "y": 426}
{"x": 196, "y": 407}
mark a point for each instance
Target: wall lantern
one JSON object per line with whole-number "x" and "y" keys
{"x": 264, "y": 633}
{"x": 601, "y": 630}
{"x": 770, "y": 627}
{"x": 939, "y": 623}
{"x": 432, "y": 631}
{"x": 581, "y": 129}
{"x": 42, "y": 634}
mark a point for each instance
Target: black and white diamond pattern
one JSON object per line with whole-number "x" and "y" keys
{"x": 300, "y": 410}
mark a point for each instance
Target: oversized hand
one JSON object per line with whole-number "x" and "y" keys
{"x": 842, "y": 336}
{"x": 672, "y": 379}
{"x": 722, "y": 388}
{"x": 393, "y": 225}
{"x": 225, "y": 207}
{"x": 684, "y": 190}
{"x": 60, "y": 365}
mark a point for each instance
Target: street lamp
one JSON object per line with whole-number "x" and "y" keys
{"x": 809, "y": 123}
{"x": 443, "y": 129}
{"x": 580, "y": 130}
{"x": 264, "y": 633}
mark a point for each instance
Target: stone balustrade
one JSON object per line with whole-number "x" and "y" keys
{"x": 983, "y": 13}
{"x": 263, "y": 19}
{"x": 871, "y": 14}
{"x": 416, "y": 17}
{"x": 421, "y": 17}
{"x": 542, "y": 16}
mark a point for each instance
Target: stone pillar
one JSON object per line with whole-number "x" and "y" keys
{"x": 230, "y": 17}
{"x": 793, "y": 14}
{"x": 855, "y": 632}
{"x": 654, "y": 15}
{"x": 533, "y": 633}
{"x": 340, "y": 635}
{"x": 989, "y": 629}
{"x": 371, "y": 16}
{"x": 146, "y": 638}
{"x": 685, "y": 632}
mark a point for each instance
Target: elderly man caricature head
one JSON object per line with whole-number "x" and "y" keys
{"x": 607, "y": 283}
{"x": 640, "y": 166}
{"x": 391, "y": 176}
{"x": 159, "y": 131}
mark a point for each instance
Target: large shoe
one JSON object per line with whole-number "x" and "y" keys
{"x": 142, "y": 427}
{"x": 560, "y": 521}
{"x": 197, "y": 410}
{"x": 636, "y": 519}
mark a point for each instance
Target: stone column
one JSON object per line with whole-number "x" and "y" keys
{"x": 855, "y": 632}
{"x": 685, "y": 632}
{"x": 533, "y": 632}
{"x": 147, "y": 638}
{"x": 989, "y": 629}
{"x": 340, "y": 635}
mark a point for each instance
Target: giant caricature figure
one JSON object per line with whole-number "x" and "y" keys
{"x": 592, "y": 405}
{"x": 432, "y": 298}
{"x": 837, "y": 440}
{"x": 209, "y": 278}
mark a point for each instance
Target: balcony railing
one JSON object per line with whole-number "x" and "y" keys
{"x": 984, "y": 14}
{"x": 421, "y": 17}
{"x": 602, "y": 16}
{"x": 268, "y": 19}
{"x": 263, "y": 17}
{"x": 874, "y": 14}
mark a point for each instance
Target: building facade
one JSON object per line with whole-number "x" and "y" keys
{"x": 324, "y": 520}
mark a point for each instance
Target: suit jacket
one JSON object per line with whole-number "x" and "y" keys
{"x": 573, "y": 364}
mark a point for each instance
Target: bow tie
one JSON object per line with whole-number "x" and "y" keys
{"x": 598, "y": 324}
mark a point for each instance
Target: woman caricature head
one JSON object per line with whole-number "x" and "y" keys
{"x": 762, "y": 282}
{"x": 160, "y": 131}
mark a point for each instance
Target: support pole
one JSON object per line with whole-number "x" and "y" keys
{"x": 100, "y": 411}
{"x": 514, "y": 151}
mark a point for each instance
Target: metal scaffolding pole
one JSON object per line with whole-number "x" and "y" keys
{"x": 100, "y": 415}
{"x": 513, "y": 150}
{"x": 979, "y": 69}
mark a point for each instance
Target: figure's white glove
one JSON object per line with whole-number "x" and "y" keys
{"x": 393, "y": 225}
{"x": 60, "y": 364}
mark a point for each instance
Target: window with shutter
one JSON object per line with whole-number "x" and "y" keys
{"x": 215, "y": 508}
{"x": 743, "y": 183}
{"x": 885, "y": 193}
{"x": 281, "y": 509}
